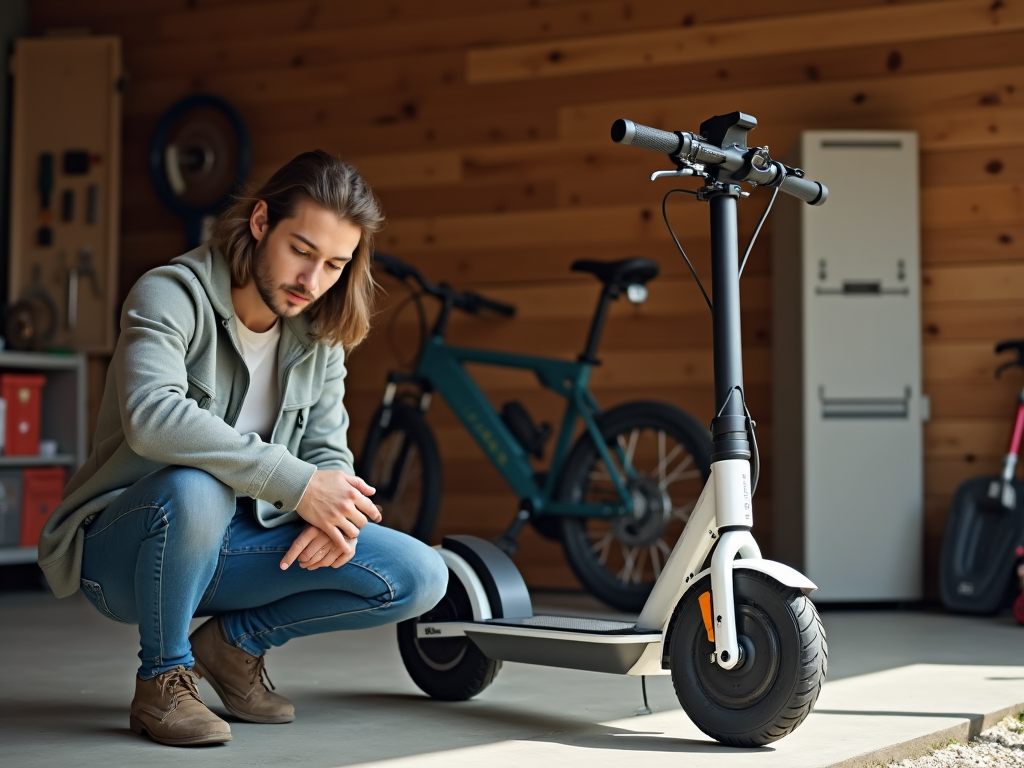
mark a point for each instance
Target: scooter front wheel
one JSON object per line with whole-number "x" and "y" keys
{"x": 446, "y": 668}
{"x": 784, "y": 660}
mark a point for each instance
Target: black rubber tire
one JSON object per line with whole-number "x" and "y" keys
{"x": 586, "y": 563}
{"x": 450, "y": 669}
{"x": 775, "y": 688}
{"x": 405, "y": 441}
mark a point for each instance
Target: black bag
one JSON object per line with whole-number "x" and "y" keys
{"x": 979, "y": 548}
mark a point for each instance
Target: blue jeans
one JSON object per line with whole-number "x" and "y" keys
{"x": 179, "y": 544}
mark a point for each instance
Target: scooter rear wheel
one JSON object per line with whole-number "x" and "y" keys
{"x": 450, "y": 668}
{"x": 784, "y": 659}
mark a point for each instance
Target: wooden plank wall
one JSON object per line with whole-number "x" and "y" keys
{"x": 483, "y": 127}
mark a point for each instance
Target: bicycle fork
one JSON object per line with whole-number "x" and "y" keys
{"x": 391, "y": 391}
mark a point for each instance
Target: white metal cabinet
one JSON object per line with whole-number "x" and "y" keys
{"x": 848, "y": 451}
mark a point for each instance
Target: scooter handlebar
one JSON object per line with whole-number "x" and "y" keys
{"x": 738, "y": 163}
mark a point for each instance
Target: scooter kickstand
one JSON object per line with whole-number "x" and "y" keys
{"x": 646, "y": 708}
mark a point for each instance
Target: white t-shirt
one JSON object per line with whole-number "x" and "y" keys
{"x": 259, "y": 409}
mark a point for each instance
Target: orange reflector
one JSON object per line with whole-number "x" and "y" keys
{"x": 705, "y": 611}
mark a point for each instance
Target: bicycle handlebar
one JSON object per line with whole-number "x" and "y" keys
{"x": 1016, "y": 345}
{"x": 467, "y": 301}
{"x": 750, "y": 164}
{"x": 476, "y": 302}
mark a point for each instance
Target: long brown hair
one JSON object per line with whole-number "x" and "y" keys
{"x": 342, "y": 314}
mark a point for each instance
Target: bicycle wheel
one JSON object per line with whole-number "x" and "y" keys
{"x": 619, "y": 559}
{"x": 784, "y": 658}
{"x": 402, "y": 462}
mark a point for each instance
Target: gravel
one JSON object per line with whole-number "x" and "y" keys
{"x": 1001, "y": 745}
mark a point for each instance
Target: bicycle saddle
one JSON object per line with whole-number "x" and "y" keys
{"x": 636, "y": 270}
{"x": 1016, "y": 344}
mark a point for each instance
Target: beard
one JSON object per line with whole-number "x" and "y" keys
{"x": 267, "y": 289}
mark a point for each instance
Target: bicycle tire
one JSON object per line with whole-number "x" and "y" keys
{"x": 388, "y": 463}
{"x": 773, "y": 690}
{"x": 624, "y": 589}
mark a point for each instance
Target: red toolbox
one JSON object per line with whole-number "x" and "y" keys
{"x": 24, "y": 396}
{"x": 41, "y": 492}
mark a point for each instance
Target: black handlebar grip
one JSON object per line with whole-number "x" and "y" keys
{"x": 479, "y": 302}
{"x": 636, "y": 135}
{"x": 391, "y": 265}
{"x": 502, "y": 309}
{"x": 811, "y": 192}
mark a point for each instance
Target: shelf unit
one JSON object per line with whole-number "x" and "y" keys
{"x": 64, "y": 419}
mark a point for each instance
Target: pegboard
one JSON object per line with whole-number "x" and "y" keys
{"x": 65, "y": 180}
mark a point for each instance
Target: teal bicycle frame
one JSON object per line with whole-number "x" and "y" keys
{"x": 441, "y": 368}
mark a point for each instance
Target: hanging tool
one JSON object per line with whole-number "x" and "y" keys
{"x": 77, "y": 162}
{"x": 67, "y": 205}
{"x": 83, "y": 268}
{"x": 45, "y": 234}
{"x": 92, "y": 206}
{"x": 32, "y": 321}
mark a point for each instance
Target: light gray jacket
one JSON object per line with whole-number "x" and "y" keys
{"x": 174, "y": 389}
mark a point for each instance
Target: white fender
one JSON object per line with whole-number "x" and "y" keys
{"x": 782, "y": 573}
{"x": 474, "y": 587}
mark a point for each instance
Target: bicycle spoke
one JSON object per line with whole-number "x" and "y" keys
{"x": 393, "y": 448}
{"x": 677, "y": 473}
{"x": 664, "y": 547}
{"x": 603, "y": 546}
{"x": 664, "y": 460}
{"x": 629, "y": 557}
{"x": 683, "y": 512}
{"x": 656, "y": 559}
{"x": 639, "y": 571}
{"x": 603, "y": 475}
{"x": 628, "y": 450}
{"x": 406, "y": 476}
{"x": 632, "y": 570}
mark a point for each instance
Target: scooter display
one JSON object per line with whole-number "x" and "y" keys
{"x": 737, "y": 633}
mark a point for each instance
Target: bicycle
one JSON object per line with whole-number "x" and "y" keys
{"x": 617, "y": 500}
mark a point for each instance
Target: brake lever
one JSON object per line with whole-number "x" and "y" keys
{"x": 671, "y": 174}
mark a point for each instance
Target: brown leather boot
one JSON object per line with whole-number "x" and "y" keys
{"x": 168, "y": 708}
{"x": 238, "y": 677}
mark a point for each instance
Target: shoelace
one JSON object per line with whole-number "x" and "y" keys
{"x": 260, "y": 671}
{"x": 177, "y": 679}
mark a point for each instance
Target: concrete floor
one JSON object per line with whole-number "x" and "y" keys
{"x": 68, "y": 674}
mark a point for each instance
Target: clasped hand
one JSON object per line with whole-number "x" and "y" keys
{"x": 336, "y": 507}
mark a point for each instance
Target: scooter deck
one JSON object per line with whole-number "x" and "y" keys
{"x": 571, "y": 624}
{"x": 596, "y": 645}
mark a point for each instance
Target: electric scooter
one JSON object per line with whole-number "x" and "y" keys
{"x": 737, "y": 633}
